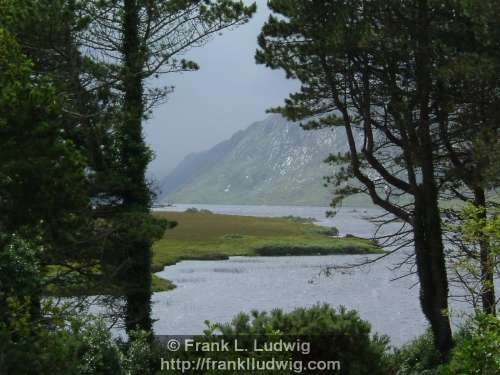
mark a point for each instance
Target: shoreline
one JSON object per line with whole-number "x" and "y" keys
{"x": 205, "y": 236}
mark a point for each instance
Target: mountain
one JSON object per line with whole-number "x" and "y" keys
{"x": 270, "y": 162}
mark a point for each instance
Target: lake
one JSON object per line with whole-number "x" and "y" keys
{"x": 218, "y": 290}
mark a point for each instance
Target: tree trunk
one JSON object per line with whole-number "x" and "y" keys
{"x": 135, "y": 158}
{"x": 487, "y": 270}
{"x": 432, "y": 274}
{"x": 429, "y": 249}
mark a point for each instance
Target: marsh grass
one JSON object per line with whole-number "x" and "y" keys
{"x": 201, "y": 236}
{"x": 206, "y": 236}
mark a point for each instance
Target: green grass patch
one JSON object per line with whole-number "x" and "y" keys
{"x": 84, "y": 288}
{"x": 201, "y": 236}
{"x": 207, "y": 236}
{"x": 161, "y": 285}
{"x": 298, "y": 219}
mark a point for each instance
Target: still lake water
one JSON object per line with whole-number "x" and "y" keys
{"x": 218, "y": 290}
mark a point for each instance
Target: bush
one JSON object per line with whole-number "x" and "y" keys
{"x": 300, "y": 220}
{"x": 194, "y": 210}
{"x": 100, "y": 353}
{"x": 77, "y": 346}
{"x": 233, "y": 236}
{"x": 80, "y": 349}
{"x": 333, "y": 335}
{"x": 333, "y": 231}
{"x": 417, "y": 357}
{"x": 478, "y": 351}
{"x": 284, "y": 249}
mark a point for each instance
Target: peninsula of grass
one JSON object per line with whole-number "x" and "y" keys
{"x": 207, "y": 236}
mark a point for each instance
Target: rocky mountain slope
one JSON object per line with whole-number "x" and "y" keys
{"x": 271, "y": 162}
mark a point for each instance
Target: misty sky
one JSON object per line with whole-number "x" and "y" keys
{"x": 227, "y": 94}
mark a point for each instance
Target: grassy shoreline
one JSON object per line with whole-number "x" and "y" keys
{"x": 207, "y": 236}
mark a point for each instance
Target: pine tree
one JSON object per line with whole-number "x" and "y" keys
{"x": 142, "y": 39}
{"x": 369, "y": 66}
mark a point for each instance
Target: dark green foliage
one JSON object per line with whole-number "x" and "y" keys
{"x": 338, "y": 335}
{"x": 334, "y": 231}
{"x": 143, "y": 54}
{"x": 417, "y": 357}
{"x": 43, "y": 195}
{"x": 134, "y": 158}
{"x": 194, "y": 210}
{"x": 26, "y": 346}
{"x": 46, "y": 185}
{"x": 478, "y": 350}
{"x": 73, "y": 154}
{"x": 20, "y": 285}
{"x": 41, "y": 175}
{"x": 72, "y": 177}
{"x": 130, "y": 263}
{"x": 85, "y": 347}
{"x": 290, "y": 250}
{"x": 470, "y": 82}
{"x": 298, "y": 219}
{"x": 54, "y": 341}
{"x": 376, "y": 69}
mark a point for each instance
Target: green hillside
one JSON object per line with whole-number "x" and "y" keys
{"x": 270, "y": 162}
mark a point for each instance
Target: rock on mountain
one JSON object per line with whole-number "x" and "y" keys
{"x": 271, "y": 162}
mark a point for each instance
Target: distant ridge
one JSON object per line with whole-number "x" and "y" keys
{"x": 193, "y": 164}
{"x": 271, "y": 162}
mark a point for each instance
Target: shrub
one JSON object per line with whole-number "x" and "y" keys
{"x": 194, "y": 210}
{"x": 326, "y": 231}
{"x": 233, "y": 236}
{"x": 300, "y": 220}
{"x": 77, "y": 349}
{"x": 100, "y": 353}
{"x": 138, "y": 358}
{"x": 478, "y": 351}
{"x": 333, "y": 335}
{"x": 417, "y": 357}
{"x": 333, "y": 231}
{"x": 63, "y": 342}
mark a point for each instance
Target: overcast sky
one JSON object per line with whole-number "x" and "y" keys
{"x": 227, "y": 94}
